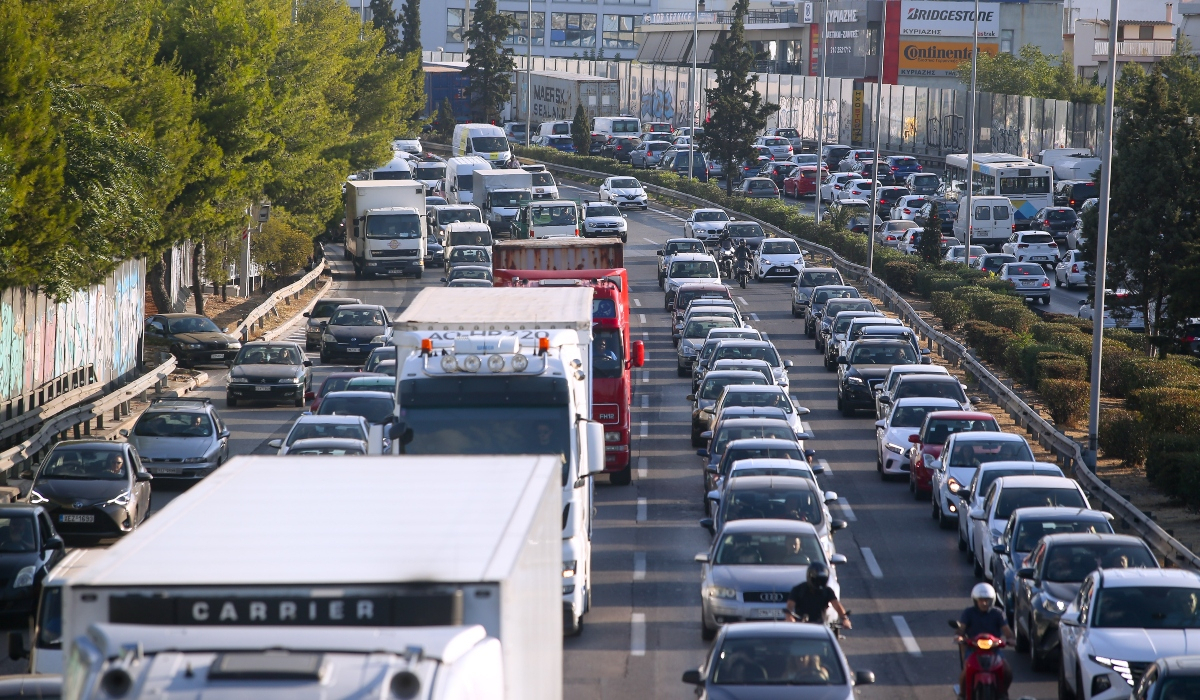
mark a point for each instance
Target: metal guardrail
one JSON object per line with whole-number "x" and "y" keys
{"x": 86, "y": 385}
{"x": 1069, "y": 452}
{"x": 115, "y": 401}
{"x": 258, "y": 313}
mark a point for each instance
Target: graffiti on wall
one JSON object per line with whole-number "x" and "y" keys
{"x": 1006, "y": 140}
{"x": 947, "y": 133}
{"x": 99, "y": 326}
{"x": 658, "y": 104}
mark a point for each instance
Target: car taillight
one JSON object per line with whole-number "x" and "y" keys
{"x": 908, "y": 211}
{"x": 1046, "y": 283}
{"x": 1189, "y": 339}
{"x": 1022, "y": 245}
{"x": 531, "y": 233}
{"x": 895, "y": 168}
{"x": 1075, "y": 268}
{"x": 919, "y": 168}
{"x": 1053, "y": 245}
{"x": 576, "y": 232}
{"x": 1072, "y": 202}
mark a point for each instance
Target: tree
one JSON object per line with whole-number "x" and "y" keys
{"x": 385, "y": 21}
{"x": 581, "y": 134}
{"x": 737, "y": 109}
{"x": 929, "y": 245}
{"x": 410, "y": 22}
{"x": 443, "y": 125}
{"x": 1031, "y": 73}
{"x": 489, "y": 63}
{"x": 282, "y": 249}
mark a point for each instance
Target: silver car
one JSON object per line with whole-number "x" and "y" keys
{"x": 312, "y": 427}
{"x": 180, "y": 438}
{"x": 694, "y": 333}
{"x": 799, "y": 498}
{"x": 1029, "y": 280}
{"x": 752, "y": 566}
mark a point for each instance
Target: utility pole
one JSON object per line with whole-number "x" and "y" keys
{"x": 692, "y": 90}
{"x": 875, "y": 156}
{"x": 971, "y": 137}
{"x": 1102, "y": 241}
{"x": 528, "y": 76}
{"x": 821, "y": 109}
{"x": 261, "y": 213}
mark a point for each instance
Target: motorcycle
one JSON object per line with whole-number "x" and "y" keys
{"x": 743, "y": 273}
{"x": 726, "y": 262}
{"x": 835, "y": 626}
{"x": 985, "y": 667}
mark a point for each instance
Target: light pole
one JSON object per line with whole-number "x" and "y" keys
{"x": 971, "y": 135}
{"x": 1102, "y": 241}
{"x": 529, "y": 76}
{"x": 821, "y": 111}
{"x": 875, "y": 152}
{"x": 693, "y": 91}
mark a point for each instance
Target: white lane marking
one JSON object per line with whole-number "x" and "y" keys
{"x": 906, "y": 635}
{"x": 637, "y": 303}
{"x": 646, "y": 336}
{"x": 637, "y": 635}
{"x": 742, "y": 301}
{"x": 872, "y": 565}
{"x": 645, "y": 400}
{"x": 641, "y": 510}
{"x": 639, "y": 566}
{"x": 645, "y": 376}
{"x": 649, "y": 240}
{"x": 643, "y": 467}
{"x": 753, "y": 317}
{"x": 645, "y": 428}
{"x": 641, "y": 318}
{"x": 847, "y": 510}
{"x": 668, "y": 214}
{"x": 825, "y": 465}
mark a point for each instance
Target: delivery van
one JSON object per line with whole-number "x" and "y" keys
{"x": 992, "y": 221}
{"x": 483, "y": 140}
{"x": 460, "y": 178}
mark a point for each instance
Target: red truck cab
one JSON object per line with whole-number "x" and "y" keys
{"x": 928, "y": 443}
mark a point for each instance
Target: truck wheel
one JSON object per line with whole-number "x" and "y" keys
{"x": 621, "y": 478}
{"x": 420, "y": 272}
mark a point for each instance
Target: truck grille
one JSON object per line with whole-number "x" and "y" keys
{"x": 409, "y": 253}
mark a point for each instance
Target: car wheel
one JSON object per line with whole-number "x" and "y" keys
{"x": 936, "y": 508}
{"x": 810, "y": 331}
{"x": 1023, "y": 641}
{"x": 621, "y": 478}
{"x": 795, "y": 314}
{"x": 299, "y": 403}
{"x": 1037, "y": 659}
{"x": 573, "y": 627}
{"x": 230, "y": 401}
{"x": 944, "y": 521}
{"x": 916, "y": 492}
{"x": 681, "y": 371}
{"x": 1057, "y": 281}
{"x": 706, "y": 633}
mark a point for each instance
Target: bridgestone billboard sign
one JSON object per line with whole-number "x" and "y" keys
{"x": 938, "y": 18}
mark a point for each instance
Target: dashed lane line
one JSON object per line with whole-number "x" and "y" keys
{"x": 641, "y": 318}
{"x": 639, "y": 566}
{"x": 906, "y": 635}
{"x": 643, "y": 467}
{"x": 637, "y": 634}
{"x": 872, "y": 565}
{"x": 645, "y": 429}
{"x": 847, "y": 510}
{"x": 641, "y": 510}
{"x": 637, "y": 303}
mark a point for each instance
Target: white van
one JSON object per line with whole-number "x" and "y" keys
{"x": 460, "y": 180}
{"x": 1050, "y": 156}
{"x": 397, "y": 168}
{"x": 624, "y": 125}
{"x": 992, "y": 221}
{"x": 562, "y": 128}
{"x": 554, "y": 218}
{"x": 483, "y": 140}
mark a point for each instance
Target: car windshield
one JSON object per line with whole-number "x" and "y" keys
{"x": 958, "y": 250}
{"x": 759, "y": 399}
{"x": 430, "y": 172}
{"x": 608, "y": 354}
{"x": 1061, "y": 215}
{"x": 713, "y": 386}
{"x": 725, "y": 435}
{"x": 753, "y": 352}
{"x": 269, "y": 355}
{"x": 826, "y": 294}
{"x": 402, "y": 226}
{"x": 762, "y": 368}
{"x": 195, "y": 324}
{"x": 926, "y": 180}
{"x": 700, "y": 328}
{"x": 710, "y": 216}
{"x": 105, "y": 464}
{"x": 555, "y": 215}
{"x": 371, "y": 384}
{"x": 450, "y": 216}
{"x": 316, "y": 451}
{"x": 603, "y": 210}
{"x": 780, "y": 248}
{"x": 1147, "y": 607}
{"x": 1030, "y": 531}
{"x": 778, "y": 661}
{"x": 1071, "y": 563}
{"x": 743, "y": 230}
{"x": 775, "y": 503}
{"x": 489, "y": 144}
{"x": 931, "y": 388}
{"x": 684, "y": 299}
{"x": 376, "y": 409}
{"x": 939, "y": 430}
{"x": 972, "y": 453}
{"x": 313, "y": 429}
{"x": 470, "y": 273}
{"x": 18, "y": 534}
{"x": 469, "y": 237}
{"x": 509, "y": 199}
{"x": 1014, "y": 498}
{"x": 736, "y": 454}
{"x": 174, "y": 425}
{"x": 357, "y": 317}
{"x": 470, "y": 255}
{"x": 543, "y": 179}
{"x": 689, "y": 246}
{"x": 693, "y": 268}
{"x": 883, "y": 355}
{"x": 334, "y": 384}
{"x": 325, "y": 308}
{"x": 1037, "y": 238}
{"x": 768, "y": 549}
{"x": 912, "y": 416}
{"x": 625, "y": 183}
{"x": 817, "y": 278}
{"x": 836, "y": 306}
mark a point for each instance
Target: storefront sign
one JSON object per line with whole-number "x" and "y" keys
{"x": 937, "y": 18}
{"x": 937, "y": 58}
{"x": 856, "y": 124}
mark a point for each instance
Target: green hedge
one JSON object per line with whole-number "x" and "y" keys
{"x": 953, "y": 312}
{"x": 900, "y": 275}
{"x": 988, "y": 339}
{"x": 1066, "y": 399}
{"x": 1173, "y": 465}
{"x": 1123, "y": 436}
{"x": 1168, "y": 410}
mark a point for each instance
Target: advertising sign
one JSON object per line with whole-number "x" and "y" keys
{"x": 937, "y": 58}
{"x": 856, "y": 124}
{"x": 938, "y": 18}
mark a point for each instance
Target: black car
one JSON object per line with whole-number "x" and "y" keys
{"x": 820, "y": 296}
{"x": 29, "y": 547}
{"x": 1074, "y": 193}
{"x": 748, "y": 231}
{"x": 1056, "y": 221}
{"x": 596, "y": 146}
{"x": 619, "y": 148}
{"x": 320, "y": 315}
{"x": 864, "y": 365}
{"x": 680, "y": 165}
{"x": 276, "y": 372}
{"x": 778, "y": 171}
{"x": 93, "y": 490}
{"x": 354, "y": 331}
{"x": 375, "y": 406}
{"x": 809, "y": 279}
{"x": 888, "y": 196}
{"x": 193, "y": 340}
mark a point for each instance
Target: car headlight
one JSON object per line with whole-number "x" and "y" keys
{"x": 687, "y": 349}
{"x": 802, "y": 296}
{"x": 722, "y": 592}
{"x": 893, "y": 447}
{"x": 854, "y": 380}
{"x": 195, "y": 460}
{"x": 328, "y": 338}
{"x": 24, "y": 577}
{"x": 569, "y": 568}
{"x": 953, "y": 486}
{"x": 35, "y": 498}
{"x": 193, "y": 346}
{"x": 291, "y": 380}
{"x": 1053, "y": 606}
{"x": 121, "y": 500}
{"x": 234, "y": 346}
{"x": 1121, "y": 667}
{"x": 379, "y": 339}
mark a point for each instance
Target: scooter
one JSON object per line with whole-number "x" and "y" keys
{"x": 985, "y": 667}
{"x": 726, "y": 261}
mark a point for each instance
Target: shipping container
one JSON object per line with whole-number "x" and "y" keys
{"x": 447, "y": 81}
{"x": 558, "y": 254}
{"x": 556, "y": 94}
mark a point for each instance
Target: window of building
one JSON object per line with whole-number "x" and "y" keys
{"x": 572, "y": 29}
{"x": 622, "y": 31}
{"x": 1006, "y": 41}
{"x": 520, "y": 35}
{"x": 626, "y": 2}
{"x": 1120, "y": 33}
{"x": 1146, "y": 31}
{"x": 454, "y": 26}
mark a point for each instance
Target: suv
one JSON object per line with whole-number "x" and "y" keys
{"x": 1057, "y": 221}
{"x": 180, "y": 438}
{"x": 193, "y": 339}
{"x": 603, "y": 219}
{"x": 689, "y": 268}
{"x": 1034, "y": 247}
{"x": 923, "y": 183}
{"x": 1074, "y": 193}
{"x": 674, "y": 246}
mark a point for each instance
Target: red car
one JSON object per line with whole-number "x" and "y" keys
{"x": 927, "y": 444}
{"x": 802, "y": 181}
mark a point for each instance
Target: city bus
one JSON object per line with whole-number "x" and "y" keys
{"x": 1028, "y": 185}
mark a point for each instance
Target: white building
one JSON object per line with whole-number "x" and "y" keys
{"x": 1143, "y": 41}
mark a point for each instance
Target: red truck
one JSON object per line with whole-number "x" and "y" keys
{"x": 614, "y": 353}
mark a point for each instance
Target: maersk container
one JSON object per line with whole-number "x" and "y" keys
{"x": 555, "y": 95}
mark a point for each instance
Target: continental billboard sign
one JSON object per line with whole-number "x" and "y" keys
{"x": 936, "y": 58}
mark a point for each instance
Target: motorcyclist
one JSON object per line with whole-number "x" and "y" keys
{"x": 743, "y": 254}
{"x": 984, "y": 618}
{"x": 808, "y": 600}
{"x": 726, "y": 254}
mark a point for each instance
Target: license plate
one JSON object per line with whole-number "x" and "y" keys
{"x": 353, "y": 349}
{"x": 166, "y": 470}
{"x": 73, "y": 518}
{"x": 1038, "y": 257}
{"x": 395, "y": 272}
{"x": 768, "y": 614}
{"x": 218, "y": 356}
{"x": 1028, "y": 283}
{"x": 262, "y": 388}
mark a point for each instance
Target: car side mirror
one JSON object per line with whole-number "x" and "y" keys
{"x": 999, "y": 548}
{"x": 914, "y": 438}
{"x": 701, "y": 558}
{"x": 27, "y": 474}
{"x": 864, "y": 678}
{"x": 702, "y": 453}
{"x": 223, "y": 434}
{"x": 123, "y": 432}
{"x": 838, "y": 559}
{"x": 55, "y": 542}
{"x": 277, "y": 443}
{"x": 443, "y": 280}
{"x": 305, "y": 314}
{"x": 308, "y": 363}
{"x": 1026, "y": 573}
{"x": 976, "y": 514}
{"x": 708, "y": 524}
{"x": 714, "y": 496}
{"x": 143, "y": 476}
{"x": 885, "y": 400}
{"x": 691, "y": 398}
{"x": 660, "y": 253}
{"x": 924, "y": 351}
{"x": 925, "y": 359}
{"x": 706, "y": 435}
{"x": 831, "y": 496}
{"x": 838, "y": 525}
{"x": 693, "y": 676}
{"x": 788, "y": 364}
{"x": 842, "y": 360}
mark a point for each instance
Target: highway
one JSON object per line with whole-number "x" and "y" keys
{"x": 904, "y": 579}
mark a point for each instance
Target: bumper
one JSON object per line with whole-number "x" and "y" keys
{"x": 603, "y": 232}
{"x": 1091, "y": 674}
{"x": 574, "y": 597}
{"x": 947, "y": 503}
{"x": 894, "y": 463}
{"x": 623, "y": 202}
{"x": 358, "y": 352}
{"x": 922, "y": 478}
{"x": 685, "y": 361}
{"x": 781, "y": 271}
{"x": 216, "y": 356}
{"x": 616, "y": 452}
{"x": 178, "y": 471}
{"x": 107, "y": 521}
{"x": 395, "y": 266}
{"x": 859, "y": 397}
{"x": 1039, "y": 293}
{"x": 265, "y": 392}
{"x": 721, "y": 611}
{"x": 16, "y": 610}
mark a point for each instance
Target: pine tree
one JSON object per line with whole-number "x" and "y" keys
{"x": 410, "y": 23}
{"x": 581, "y": 135}
{"x": 929, "y": 245}
{"x": 489, "y": 63}
{"x": 443, "y": 125}
{"x": 738, "y": 112}
{"x": 384, "y": 19}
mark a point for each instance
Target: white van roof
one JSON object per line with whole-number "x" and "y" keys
{"x": 463, "y": 163}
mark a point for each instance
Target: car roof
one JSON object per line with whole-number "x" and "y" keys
{"x": 772, "y": 462}
{"x": 967, "y": 415}
{"x": 327, "y": 442}
{"x": 358, "y": 306}
{"x": 919, "y": 369}
{"x": 181, "y": 315}
{"x": 755, "y": 388}
{"x": 738, "y": 362}
{"x": 745, "y": 342}
{"x": 761, "y": 442}
{"x": 1176, "y": 666}
{"x": 929, "y": 377}
{"x": 758, "y": 482}
{"x": 341, "y": 300}
{"x": 99, "y": 444}
{"x": 856, "y": 314}
{"x": 329, "y": 418}
{"x": 691, "y": 256}
{"x": 981, "y": 435}
{"x": 922, "y": 401}
{"x": 1059, "y": 512}
{"x": 472, "y": 267}
{"x": 360, "y": 394}
{"x": 747, "y": 373}
{"x": 1029, "y": 482}
{"x": 1122, "y": 578}
{"x": 839, "y": 287}
{"x": 8, "y": 509}
{"x": 1092, "y": 537}
{"x": 770, "y": 524}
{"x": 682, "y": 240}
{"x": 753, "y": 421}
{"x": 820, "y": 269}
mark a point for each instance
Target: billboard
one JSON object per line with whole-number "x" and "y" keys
{"x": 938, "y": 18}
{"x": 937, "y": 58}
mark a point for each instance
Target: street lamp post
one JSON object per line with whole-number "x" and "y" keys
{"x": 821, "y": 111}
{"x": 529, "y": 75}
{"x": 693, "y": 90}
{"x": 875, "y": 152}
{"x": 971, "y": 136}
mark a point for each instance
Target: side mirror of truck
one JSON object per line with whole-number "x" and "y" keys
{"x": 639, "y": 353}
{"x": 596, "y": 451}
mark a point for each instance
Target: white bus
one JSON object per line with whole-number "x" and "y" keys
{"x": 1028, "y": 185}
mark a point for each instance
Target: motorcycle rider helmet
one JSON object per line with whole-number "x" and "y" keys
{"x": 818, "y": 575}
{"x": 983, "y": 591}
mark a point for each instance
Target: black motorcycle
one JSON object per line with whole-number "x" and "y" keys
{"x": 743, "y": 273}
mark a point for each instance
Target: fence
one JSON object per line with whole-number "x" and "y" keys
{"x": 919, "y": 121}
{"x": 261, "y": 311}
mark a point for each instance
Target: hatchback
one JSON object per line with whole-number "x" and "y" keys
{"x": 759, "y": 188}
{"x": 269, "y": 371}
{"x": 923, "y": 183}
{"x": 377, "y": 407}
{"x": 648, "y": 154}
{"x": 319, "y": 316}
{"x": 992, "y": 262}
{"x": 1029, "y": 280}
{"x": 31, "y": 548}
{"x": 887, "y": 197}
{"x": 93, "y": 490}
{"x": 180, "y": 438}
{"x": 1071, "y": 270}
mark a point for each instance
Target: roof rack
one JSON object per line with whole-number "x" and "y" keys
{"x": 181, "y": 399}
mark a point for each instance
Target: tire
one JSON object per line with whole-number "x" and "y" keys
{"x": 944, "y": 521}
{"x": 936, "y": 508}
{"x": 706, "y": 633}
{"x": 1064, "y": 690}
{"x": 308, "y": 347}
{"x": 573, "y": 628}
{"x": 621, "y": 478}
{"x": 299, "y": 403}
{"x": 916, "y": 493}
{"x": 420, "y": 272}
{"x": 1037, "y": 660}
{"x": 697, "y": 441}
{"x": 1023, "y": 644}
{"x": 984, "y": 692}
{"x": 794, "y": 314}
{"x": 681, "y": 371}
{"x": 810, "y": 331}
{"x": 1046, "y": 301}
{"x": 230, "y": 401}
{"x": 1057, "y": 281}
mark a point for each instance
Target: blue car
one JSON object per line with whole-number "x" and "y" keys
{"x": 902, "y": 167}
{"x": 559, "y": 143}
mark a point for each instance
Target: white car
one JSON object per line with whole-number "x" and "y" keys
{"x": 1116, "y": 313}
{"x": 689, "y": 268}
{"x": 893, "y": 432}
{"x": 909, "y": 240}
{"x": 1069, "y": 272}
{"x": 310, "y": 426}
{"x": 1028, "y": 279}
{"x": 1121, "y": 621}
{"x": 407, "y": 146}
{"x": 763, "y": 395}
{"x": 778, "y": 257}
{"x": 961, "y": 456}
{"x": 602, "y": 219}
{"x": 908, "y": 206}
{"x": 780, "y": 147}
{"x": 832, "y": 188}
{"x": 1032, "y": 246}
{"x": 705, "y": 224}
{"x": 956, "y": 253}
{"x": 893, "y": 377}
{"x": 624, "y": 192}
{"x": 1044, "y": 487}
{"x": 858, "y": 189}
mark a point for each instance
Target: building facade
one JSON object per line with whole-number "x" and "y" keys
{"x": 1143, "y": 41}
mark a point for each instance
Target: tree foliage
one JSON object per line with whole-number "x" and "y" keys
{"x": 281, "y": 250}
{"x": 489, "y": 62}
{"x": 929, "y": 244}
{"x": 385, "y": 21}
{"x": 1031, "y": 73}
{"x": 581, "y": 133}
{"x": 738, "y": 112}
{"x": 410, "y": 23}
{"x": 443, "y": 124}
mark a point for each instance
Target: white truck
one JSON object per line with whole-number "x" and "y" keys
{"x": 1082, "y": 168}
{"x": 385, "y": 227}
{"x": 426, "y": 548}
{"x": 499, "y": 194}
{"x": 507, "y": 370}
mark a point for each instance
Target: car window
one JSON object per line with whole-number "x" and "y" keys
{"x": 972, "y": 453}
{"x": 18, "y": 534}
{"x": 1033, "y": 270}
{"x": 817, "y": 278}
{"x": 939, "y": 430}
{"x": 197, "y": 324}
{"x": 826, "y": 294}
{"x": 624, "y": 183}
{"x": 466, "y": 273}
{"x": 1013, "y": 498}
{"x": 684, "y": 247}
{"x": 306, "y": 430}
{"x": 883, "y": 355}
{"x": 683, "y": 299}
{"x": 735, "y": 454}
{"x": 931, "y": 388}
{"x": 768, "y": 549}
{"x": 334, "y": 384}
{"x": 912, "y": 416}
{"x": 1061, "y": 215}
{"x": 337, "y": 451}
{"x": 1000, "y": 213}
{"x": 603, "y": 210}
{"x": 471, "y": 255}
{"x": 700, "y": 329}
{"x": 375, "y": 409}
{"x": 1071, "y": 563}
{"x": 725, "y": 435}
{"x": 983, "y": 213}
{"x": 558, "y": 215}
{"x": 268, "y": 355}
{"x": 759, "y": 399}
{"x": 746, "y": 230}
{"x": 778, "y": 661}
{"x": 710, "y": 216}
{"x": 693, "y": 268}
{"x": 184, "y": 425}
{"x": 471, "y": 215}
{"x": 1147, "y": 607}
{"x": 325, "y": 309}
{"x": 1037, "y": 238}
{"x": 356, "y": 317}
{"x": 85, "y": 463}
{"x": 754, "y": 352}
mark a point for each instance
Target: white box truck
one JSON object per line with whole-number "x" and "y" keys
{"x": 507, "y": 370}
{"x": 556, "y": 94}
{"x": 385, "y": 227}
{"x": 420, "y": 542}
{"x": 500, "y": 194}
{"x": 484, "y": 140}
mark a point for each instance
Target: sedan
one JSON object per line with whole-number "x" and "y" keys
{"x": 355, "y": 330}
{"x": 477, "y": 255}
{"x": 893, "y": 232}
{"x": 31, "y": 547}
{"x": 321, "y": 312}
{"x": 191, "y": 338}
{"x": 778, "y": 258}
{"x": 1071, "y": 270}
{"x": 472, "y": 273}
{"x": 803, "y": 181}
{"x": 893, "y": 434}
{"x": 908, "y": 207}
{"x": 888, "y": 197}
{"x": 624, "y": 192}
{"x": 1029, "y": 279}
{"x": 809, "y": 279}
{"x": 746, "y": 497}
{"x": 274, "y": 371}
{"x": 705, "y": 224}
{"x": 337, "y": 447}
{"x": 1056, "y": 221}
{"x": 778, "y": 172}
{"x": 180, "y": 438}
{"x": 752, "y": 566}
{"x": 956, "y": 252}
{"x": 1032, "y": 247}
{"x": 376, "y": 407}
{"x": 693, "y": 335}
{"x": 758, "y": 188}
{"x": 710, "y": 391}
{"x": 864, "y": 365}
{"x": 756, "y": 396}
{"x": 93, "y": 490}
{"x": 777, "y": 145}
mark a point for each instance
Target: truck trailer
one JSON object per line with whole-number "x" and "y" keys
{"x": 385, "y": 227}
{"x": 420, "y": 542}
{"x": 556, "y": 94}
